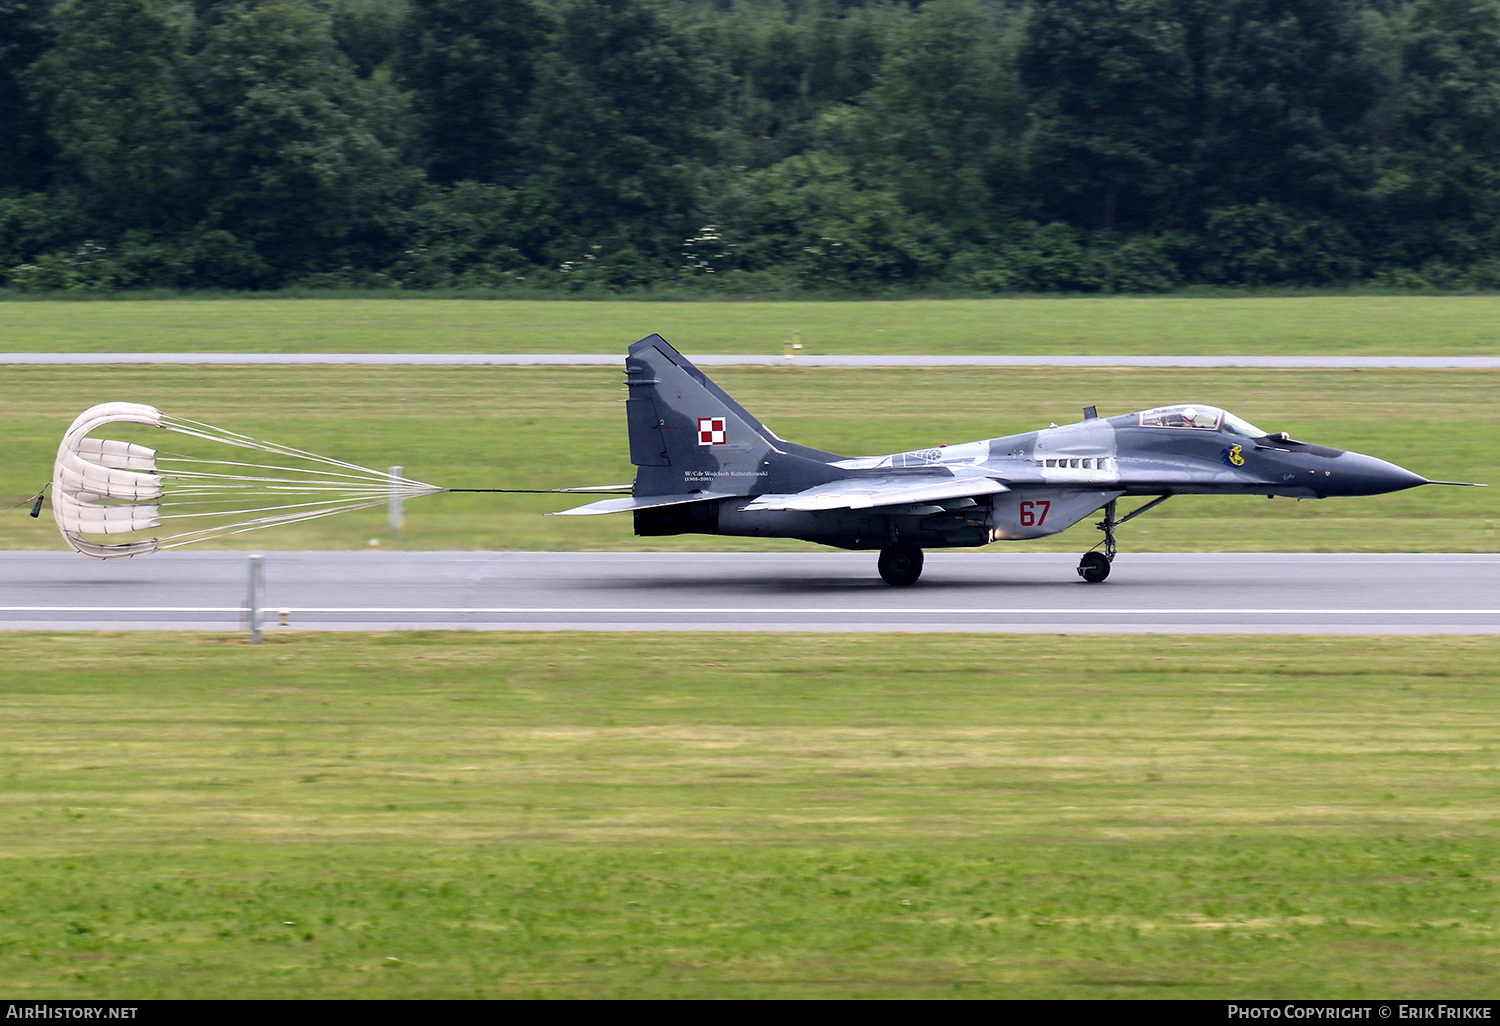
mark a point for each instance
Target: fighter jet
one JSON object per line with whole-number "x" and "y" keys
{"x": 705, "y": 465}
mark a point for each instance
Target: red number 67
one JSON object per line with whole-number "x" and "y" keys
{"x": 1034, "y": 514}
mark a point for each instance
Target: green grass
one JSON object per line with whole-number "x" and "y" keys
{"x": 459, "y": 815}
{"x": 1317, "y": 325}
{"x": 553, "y": 427}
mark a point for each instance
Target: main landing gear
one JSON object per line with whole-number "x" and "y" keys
{"x": 900, "y": 563}
{"x": 1094, "y": 566}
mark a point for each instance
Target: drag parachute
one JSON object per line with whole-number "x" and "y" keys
{"x": 104, "y": 490}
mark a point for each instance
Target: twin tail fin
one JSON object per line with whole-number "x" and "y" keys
{"x": 689, "y": 437}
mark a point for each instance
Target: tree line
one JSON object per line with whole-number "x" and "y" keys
{"x": 747, "y": 146}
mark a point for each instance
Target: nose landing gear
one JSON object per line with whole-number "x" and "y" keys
{"x": 1094, "y": 566}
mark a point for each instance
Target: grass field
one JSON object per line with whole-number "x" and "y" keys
{"x": 470, "y": 815}
{"x": 459, "y": 815}
{"x": 555, "y": 427}
{"x": 1395, "y": 325}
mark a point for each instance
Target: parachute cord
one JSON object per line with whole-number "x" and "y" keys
{"x": 260, "y": 523}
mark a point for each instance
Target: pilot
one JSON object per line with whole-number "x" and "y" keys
{"x": 1194, "y": 417}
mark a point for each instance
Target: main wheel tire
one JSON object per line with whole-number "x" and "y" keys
{"x": 900, "y": 563}
{"x": 1093, "y": 567}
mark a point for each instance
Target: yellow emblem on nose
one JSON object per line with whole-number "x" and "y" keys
{"x": 1236, "y": 457}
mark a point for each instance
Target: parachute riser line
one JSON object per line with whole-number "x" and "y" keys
{"x": 189, "y": 537}
{"x": 193, "y": 429}
{"x": 119, "y": 488}
{"x": 370, "y": 476}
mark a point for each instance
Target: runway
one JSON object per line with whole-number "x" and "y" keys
{"x": 986, "y": 592}
{"x": 723, "y": 360}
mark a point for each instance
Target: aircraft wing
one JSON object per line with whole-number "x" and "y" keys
{"x": 868, "y": 492}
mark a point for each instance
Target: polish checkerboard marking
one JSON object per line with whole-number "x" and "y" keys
{"x": 711, "y": 431}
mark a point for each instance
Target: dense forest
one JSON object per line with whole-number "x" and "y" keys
{"x": 746, "y": 146}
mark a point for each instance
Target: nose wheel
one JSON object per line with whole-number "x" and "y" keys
{"x": 1094, "y": 566}
{"x": 900, "y": 563}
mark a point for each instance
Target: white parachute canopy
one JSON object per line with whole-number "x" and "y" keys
{"x": 103, "y": 487}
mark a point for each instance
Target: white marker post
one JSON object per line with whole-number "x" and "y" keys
{"x": 256, "y": 587}
{"x": 398, "y": 514}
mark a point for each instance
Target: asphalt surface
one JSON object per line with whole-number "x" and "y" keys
{"x": 994, "y": 591}
{"x": 573, "y": 359}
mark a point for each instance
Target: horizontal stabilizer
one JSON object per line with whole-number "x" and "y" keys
{"x": 868, "y": 492}
{"x": 632, "y": 502}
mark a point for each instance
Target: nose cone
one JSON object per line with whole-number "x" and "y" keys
{"x": 1353, "y": 473}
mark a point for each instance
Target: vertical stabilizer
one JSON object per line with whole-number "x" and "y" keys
{"x": 688, "y": 435}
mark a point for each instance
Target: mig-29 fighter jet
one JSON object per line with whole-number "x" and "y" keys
{"x": 705, "y": 465}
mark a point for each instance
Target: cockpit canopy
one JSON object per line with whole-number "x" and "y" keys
{"x": 1198, "y": 417}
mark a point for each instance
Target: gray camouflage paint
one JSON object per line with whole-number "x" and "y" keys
{"x": 702, "y": 459}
